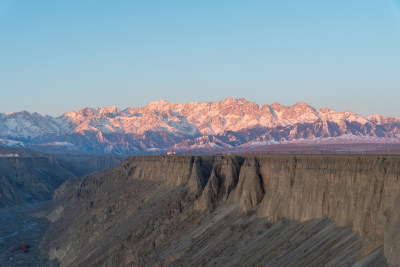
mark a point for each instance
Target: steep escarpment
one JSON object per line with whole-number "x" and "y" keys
{"x": 230, "y": 210}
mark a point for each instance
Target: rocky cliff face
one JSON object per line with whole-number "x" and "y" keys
{"x": 214, "y": 125}
{"x": 230, "y": 210}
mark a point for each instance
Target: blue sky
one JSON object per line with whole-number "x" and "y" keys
{"x": 57, "y": 56}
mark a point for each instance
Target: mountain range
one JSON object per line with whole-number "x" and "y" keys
{"x": 162, "y": 126}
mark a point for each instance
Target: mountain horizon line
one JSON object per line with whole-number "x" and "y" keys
{"x": 160, "y": 125}
{"x": 163, "y": 102}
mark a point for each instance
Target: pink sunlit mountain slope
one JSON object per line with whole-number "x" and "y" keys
{"x": 213, "y": 125}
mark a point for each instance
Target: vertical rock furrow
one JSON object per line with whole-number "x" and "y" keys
{"x": 209, "y": 196}
{"x": 392, "y": 240}
{"x": 249, "y": 190}
{"x": 196, "y": 179}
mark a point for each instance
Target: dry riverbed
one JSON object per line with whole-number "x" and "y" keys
{"x": 20, "y": 236}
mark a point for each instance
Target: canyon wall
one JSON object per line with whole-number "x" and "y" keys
{"x": 352, "y": 192}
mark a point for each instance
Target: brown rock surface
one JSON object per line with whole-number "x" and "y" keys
{"x": 230, "y": 210}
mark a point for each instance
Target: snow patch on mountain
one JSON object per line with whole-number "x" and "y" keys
{"x": 11, "y": 143}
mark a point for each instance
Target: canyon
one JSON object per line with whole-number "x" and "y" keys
{"x": 28, "y": 179}
{"x": 32, "y": 176}
{"x": 270, "y": 210}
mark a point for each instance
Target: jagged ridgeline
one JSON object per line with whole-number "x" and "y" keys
{"x": 230, "y": 211}
{"x": 208, "y": 127}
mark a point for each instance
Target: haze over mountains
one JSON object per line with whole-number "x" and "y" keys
{"x": 161, "y": 126}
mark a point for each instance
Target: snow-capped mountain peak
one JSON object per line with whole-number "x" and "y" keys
{"x": 161, "y": 125}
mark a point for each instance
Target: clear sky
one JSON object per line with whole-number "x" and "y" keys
{"x": 57, "y": 56}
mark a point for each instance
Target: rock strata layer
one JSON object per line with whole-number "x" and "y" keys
{"x": 229, "y": 210}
